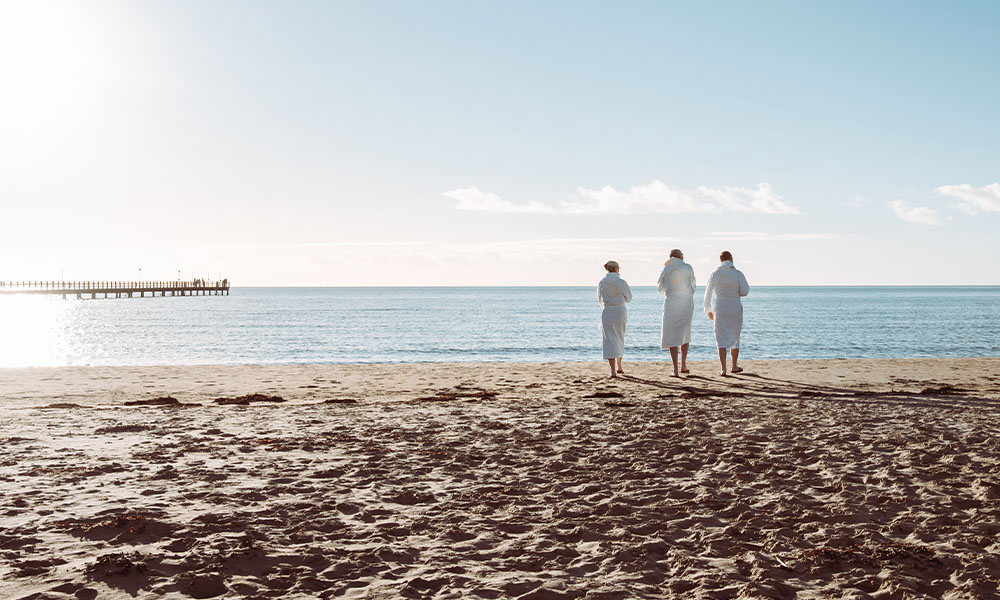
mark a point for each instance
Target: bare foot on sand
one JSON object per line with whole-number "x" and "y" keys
{"x": 737, "y": 369}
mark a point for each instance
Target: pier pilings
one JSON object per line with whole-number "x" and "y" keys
{"x": 118, "y": 289}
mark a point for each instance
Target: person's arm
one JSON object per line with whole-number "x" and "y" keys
{"x": 694, "y": 283}
{"x": 626, "y": 291}
{"x": 600, "y": 295}
{"x": 709, "y": 288}
{"x": 661, "y": 285}
{"x": 744, "y": 286}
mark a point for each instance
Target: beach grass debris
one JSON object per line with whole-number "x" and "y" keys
{"x": 62, "y": 405}
{"x": 605, "y": 395}
{"x": 161, "y": 401}
{"x": 460, "y": 392}
{"x": 942, "y": 390}
{"x": 79, "y": 470}
{"x": 116, "y": 564}
{"x": 124, "y": 527}
{"x": 123, "y": 428}
{"x": 249, "y": 398}
{"x": 875, "y": 556}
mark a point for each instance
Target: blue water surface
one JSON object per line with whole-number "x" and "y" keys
{"x": 394, "y": 325}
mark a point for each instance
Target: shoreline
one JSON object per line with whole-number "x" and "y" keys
{"x": 26, "y": 386}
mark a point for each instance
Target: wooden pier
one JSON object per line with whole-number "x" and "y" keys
{"x": 117, "y": 289}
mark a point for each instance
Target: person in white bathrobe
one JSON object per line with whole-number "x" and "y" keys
{"x": 613, "y": 294}
{"x": 728, "y": 285}
{"x": 677, "y": 285}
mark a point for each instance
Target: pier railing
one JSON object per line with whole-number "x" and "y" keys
{"x": 197, "y": 287}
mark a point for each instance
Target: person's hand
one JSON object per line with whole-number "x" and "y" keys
{"x": 711, "y": 316}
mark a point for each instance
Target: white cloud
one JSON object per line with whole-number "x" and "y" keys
{"x": 658, "y": 197}
{"x": 973, "y": 199}
{"x": 920, "y": 215}
{"x": 472, "y": 198}
{"x": 655, "y": 197}
{"x": 966, "y": 208}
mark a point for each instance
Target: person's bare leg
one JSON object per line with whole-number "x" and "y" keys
{"x": 673, "y": 359}
{"x": 684, "y": 358}
{"x": 735, "y": 352}
{"x": 611, "y": 361}
{"x": 722, "y": 359}
{"x": 620, "y": 365}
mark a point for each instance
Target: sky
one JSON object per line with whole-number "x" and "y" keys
{"x": 344, "y": 143}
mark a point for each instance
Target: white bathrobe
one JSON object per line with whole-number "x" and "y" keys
{"x": 613, "y": 293}
{"x": 728, "y": 285}
{"x": 677, "y": 285}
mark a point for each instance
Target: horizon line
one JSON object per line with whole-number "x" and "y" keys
{"x": 803, "y": 285}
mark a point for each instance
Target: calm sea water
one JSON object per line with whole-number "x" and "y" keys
{"x": 347, "y": 325}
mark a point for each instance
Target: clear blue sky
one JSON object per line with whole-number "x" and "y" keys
{"x": 505, "y": 143}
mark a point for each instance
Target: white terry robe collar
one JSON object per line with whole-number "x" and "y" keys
{"x": 673, "y": 260}
{"x": 727, "y": 264}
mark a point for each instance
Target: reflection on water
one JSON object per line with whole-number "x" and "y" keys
{"x": 33, "y": 330}
{"x": 351, "y": 325}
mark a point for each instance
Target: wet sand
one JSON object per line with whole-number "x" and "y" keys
{"x": 796, "y": 479}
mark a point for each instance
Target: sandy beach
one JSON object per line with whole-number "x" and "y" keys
{"x": 796, "y": 479}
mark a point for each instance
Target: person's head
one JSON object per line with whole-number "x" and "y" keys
{"x": 726, "y": 255}
{"x": 611, "y": 266}
{"x": 676, "y": 253}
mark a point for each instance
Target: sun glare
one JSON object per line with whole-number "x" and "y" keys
{"x": 31, "y": 331}
{"x": 49, "y": 54}
{"x": 46, "y": 48}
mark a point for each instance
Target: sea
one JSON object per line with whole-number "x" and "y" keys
{"x": 472, "y": 324}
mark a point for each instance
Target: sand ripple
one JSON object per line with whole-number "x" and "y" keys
{"x": 500, "y": 490}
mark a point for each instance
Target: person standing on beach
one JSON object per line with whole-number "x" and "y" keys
{"x": 613, "y": 293}
{"x": 677, "y": 285}
{"x": 728, "y": 285}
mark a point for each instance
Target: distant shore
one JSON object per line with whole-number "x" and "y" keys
{"x": 867, "y": 478}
